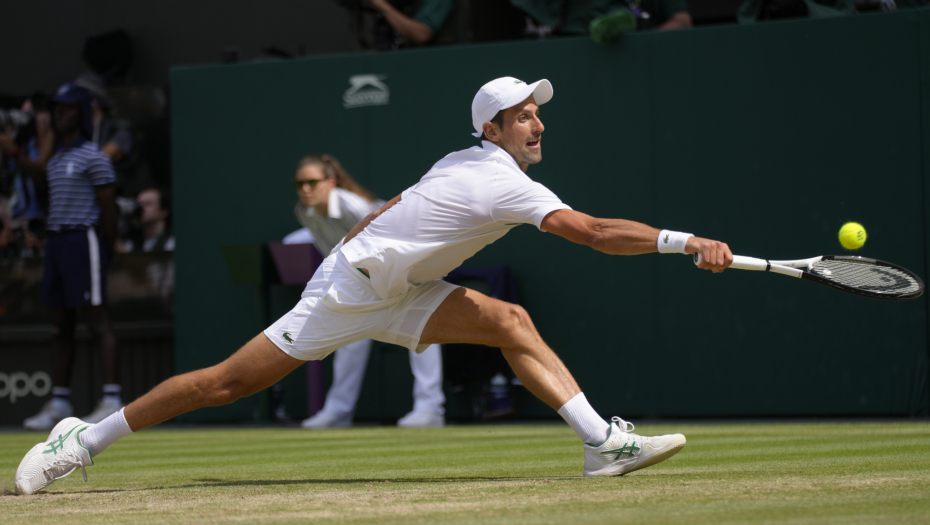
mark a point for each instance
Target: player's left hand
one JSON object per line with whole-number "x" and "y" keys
{"x": 716, "y": 256}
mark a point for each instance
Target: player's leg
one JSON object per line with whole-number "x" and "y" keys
{"x": 73, "y": 443}
{"x": 256, "y": 366}
{"x": 467, "y": 316}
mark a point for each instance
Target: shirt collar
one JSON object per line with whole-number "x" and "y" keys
{"x": 333, "y": 206}
{"x": 334, "y": 209}
{"x": 494, "y": 149}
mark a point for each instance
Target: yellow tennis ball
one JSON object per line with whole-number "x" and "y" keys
{"x": 852, "y": 236}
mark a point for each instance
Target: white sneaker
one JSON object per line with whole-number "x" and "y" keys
{"x": 625, "y": 452}
{"x": 323, "y": 420}
{"x": 54, "y": 459}
{"x": 422, "y": 420}
{"x": 52, "y": 412}
{"x": 104, "y": 408}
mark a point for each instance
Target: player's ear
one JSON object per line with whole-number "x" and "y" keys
{"x": 491, "y": 131}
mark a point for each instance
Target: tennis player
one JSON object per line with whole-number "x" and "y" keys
{"x": 383, "y": 281}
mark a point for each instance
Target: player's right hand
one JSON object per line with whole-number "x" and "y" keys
{"x": 715, "y": 255}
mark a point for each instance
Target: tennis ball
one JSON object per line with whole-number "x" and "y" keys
{"x": 852, "y": 236}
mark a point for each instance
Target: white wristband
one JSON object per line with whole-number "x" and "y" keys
{"x": 672, "y": 241}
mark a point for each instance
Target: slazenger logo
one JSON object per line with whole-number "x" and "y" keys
{"x": 21, "y": 384}
{"x": 366, "y": 90}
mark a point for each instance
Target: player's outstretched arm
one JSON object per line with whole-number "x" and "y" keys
{"x": 623, "y": 237}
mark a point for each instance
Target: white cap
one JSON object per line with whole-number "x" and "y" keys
{"x": 503, "y": 93}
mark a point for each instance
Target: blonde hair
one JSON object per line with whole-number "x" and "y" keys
{"x": 333, "y": 169}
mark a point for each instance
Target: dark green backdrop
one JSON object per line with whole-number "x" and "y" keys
{"x": 767, "y": 137}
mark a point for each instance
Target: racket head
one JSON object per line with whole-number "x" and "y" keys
{"x": 866, "y": 277}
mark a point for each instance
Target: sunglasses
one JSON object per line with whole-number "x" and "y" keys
{"x": 299, "y": 184}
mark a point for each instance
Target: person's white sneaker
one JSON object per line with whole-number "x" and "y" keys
{"x": 52, "y": 412}
{"x": 422, "y": 420}
{"x": 61, "y": 454}
{"x": 323, "y": 420}
{"x": 625, "y": 452}
{"x": 103, "y": 410}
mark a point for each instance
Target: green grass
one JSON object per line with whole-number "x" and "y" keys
{"x": 521, "y": 474}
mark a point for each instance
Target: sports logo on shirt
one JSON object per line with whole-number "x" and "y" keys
{"x": 366, "y": 90}
{"x": 288, "y": 338}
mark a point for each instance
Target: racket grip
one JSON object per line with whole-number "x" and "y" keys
{"x": 741, "y": 263}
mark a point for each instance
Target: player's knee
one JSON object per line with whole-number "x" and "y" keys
{"x": 517, "y": 323}
{"x": 213, "y": 388}
{"x": 232, "y": 390}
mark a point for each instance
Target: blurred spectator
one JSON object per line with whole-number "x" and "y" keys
{"x": 154, "y": 216}
{"x": 26, "y": 144}
{"x": 394, "y": 24}
{"x": 430, "y": 17}
{"x": 81, "y": 234}
{"x": 111, "y": 133}
{"x": 605, "y": 20}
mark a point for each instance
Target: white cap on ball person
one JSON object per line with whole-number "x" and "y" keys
{"x": 503, "y": 93}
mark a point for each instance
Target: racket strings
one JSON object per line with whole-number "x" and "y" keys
{"x": 867, "y": 277}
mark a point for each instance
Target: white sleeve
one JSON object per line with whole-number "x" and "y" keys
{"x": 521, "y": 200}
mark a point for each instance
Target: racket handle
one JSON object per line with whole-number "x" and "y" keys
{"x": 741, "y": 263}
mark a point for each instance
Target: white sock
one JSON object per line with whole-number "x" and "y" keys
{"x": 590, "y": 427}
{"x": 103, "y": 434}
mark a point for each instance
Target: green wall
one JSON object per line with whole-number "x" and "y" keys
{"x": 767, "y": 137}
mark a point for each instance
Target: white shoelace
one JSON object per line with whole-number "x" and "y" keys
{"x": 66, "y": 460}
{"x": 625, "y": 426}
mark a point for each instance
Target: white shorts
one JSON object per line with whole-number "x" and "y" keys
{"x": 339, "y": 307}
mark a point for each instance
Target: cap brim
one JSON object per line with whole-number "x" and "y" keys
{"x": 541, "y": 91}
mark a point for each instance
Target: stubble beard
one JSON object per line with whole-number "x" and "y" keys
{"x": 530, "y": 157}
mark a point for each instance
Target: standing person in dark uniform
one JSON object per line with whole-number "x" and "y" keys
{"x": 81, "y": 234}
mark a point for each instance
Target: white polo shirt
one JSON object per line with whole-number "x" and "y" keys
{"x": 344, "y": 208}
{"x": 468, "y": 200}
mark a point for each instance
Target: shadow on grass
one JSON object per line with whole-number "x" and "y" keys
{"x": 216, "y": 482}
{"x": 213, "y": 482}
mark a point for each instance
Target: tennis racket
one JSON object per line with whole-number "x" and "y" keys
{"x": 846, "y": 273}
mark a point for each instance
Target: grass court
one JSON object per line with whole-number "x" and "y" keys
{"x": 863, "y": 472}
